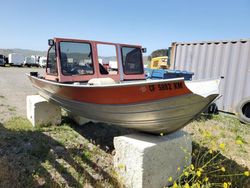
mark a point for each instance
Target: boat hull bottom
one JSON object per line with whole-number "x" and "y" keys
{"x": 161, "y": 116}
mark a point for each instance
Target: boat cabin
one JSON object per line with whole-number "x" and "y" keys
{"x": 72, "y": 60}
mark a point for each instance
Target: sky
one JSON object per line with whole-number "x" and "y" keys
{"x": 28, "y": 24}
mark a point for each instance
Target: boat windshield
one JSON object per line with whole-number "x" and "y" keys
{"x": 76, "y": 58}
{"x": 132, "y": 60}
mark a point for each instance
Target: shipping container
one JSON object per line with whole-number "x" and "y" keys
{"x": 215, "y": 59}
{"x": 16, "y": 59}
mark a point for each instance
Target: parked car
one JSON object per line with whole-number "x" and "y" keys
{"x": 2, "y": 60}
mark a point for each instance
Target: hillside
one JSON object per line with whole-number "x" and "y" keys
{"x": 25, "y": 52}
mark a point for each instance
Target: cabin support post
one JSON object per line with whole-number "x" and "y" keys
{"x": 40, "y": 112}
{"x": 145, "y": 161}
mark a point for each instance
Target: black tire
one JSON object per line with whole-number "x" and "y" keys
{"x": 243, "y": 110}
{"x": 212, "y": 109}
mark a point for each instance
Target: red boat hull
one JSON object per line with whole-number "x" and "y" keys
{"x": 150, "y": 106}
{"x": 116, "y": 94}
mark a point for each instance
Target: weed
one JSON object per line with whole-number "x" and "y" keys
{"x": 86, "y": 155}
{"x": 12, "y": 109}
{"x": 212, "y": 140}
{"x": 223, "y": 129}
{"x": 210, "y": 169}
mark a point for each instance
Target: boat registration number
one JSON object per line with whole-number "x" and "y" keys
{"x": 166, "y": 86}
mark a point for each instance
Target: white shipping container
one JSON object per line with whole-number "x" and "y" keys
{"x": 16, "y": 59}
{"x": 230, "y": 59}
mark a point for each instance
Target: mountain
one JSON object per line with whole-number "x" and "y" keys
{"x": 25, "y": 52}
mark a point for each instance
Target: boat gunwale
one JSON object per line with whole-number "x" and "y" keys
{"x": 129, "y": 83}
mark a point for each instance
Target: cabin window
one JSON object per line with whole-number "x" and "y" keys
{"x": 52, "y": 66}
{"x": 107, "y": 59}
{"x": 76, "y": 58}
{"x": 132, "y": 60}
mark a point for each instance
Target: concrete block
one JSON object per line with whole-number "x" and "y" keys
{"x": 41, "y": 112}
{"x": 78, "y": 119}
{"x": 146, "y": 161}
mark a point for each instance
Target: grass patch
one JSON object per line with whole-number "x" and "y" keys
{"x": 2, "y": 97}
{"x": 220, "y": 156}
{"x": 227, "y": 130}
{"x": 76, "y": 156}
{"x": 56, "y": 156}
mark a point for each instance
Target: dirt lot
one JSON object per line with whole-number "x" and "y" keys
{"x": 14, "y": 87}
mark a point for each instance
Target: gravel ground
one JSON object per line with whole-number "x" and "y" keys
{"x": 14, "y": 87}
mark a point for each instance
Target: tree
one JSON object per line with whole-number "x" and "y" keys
{"x": 158, "y": 53}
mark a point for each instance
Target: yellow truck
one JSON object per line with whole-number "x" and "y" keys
{"x": 159, "y": 62}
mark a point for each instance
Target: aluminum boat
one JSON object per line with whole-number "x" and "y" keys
{"x": 76, "y": 80}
